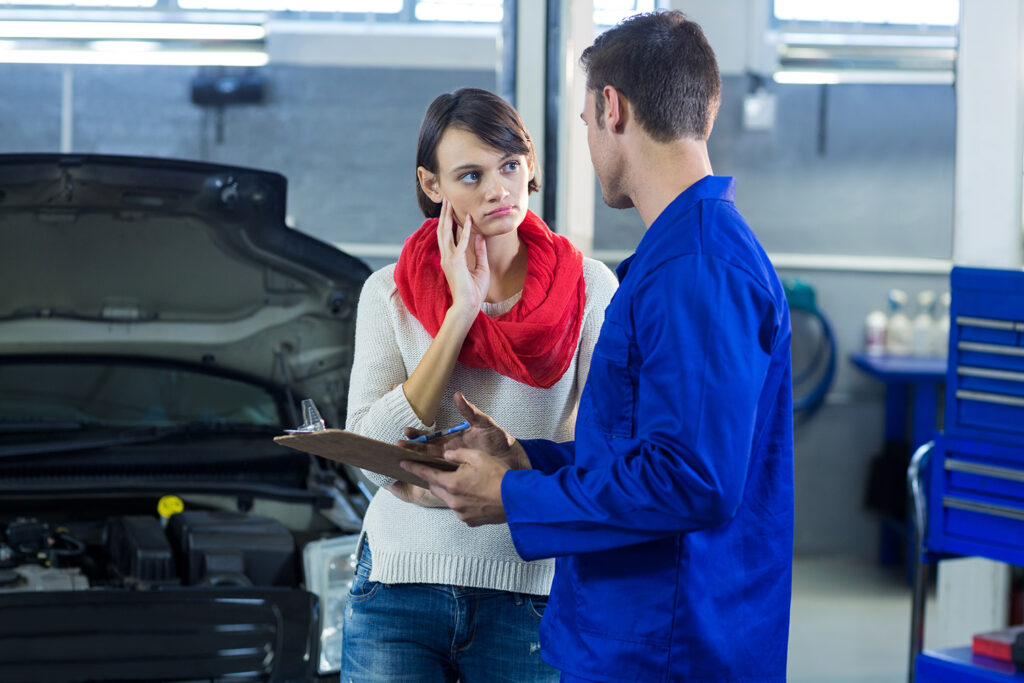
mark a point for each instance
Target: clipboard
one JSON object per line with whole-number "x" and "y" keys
{"x": 360, "y": 451}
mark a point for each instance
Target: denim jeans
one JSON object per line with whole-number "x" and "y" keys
{"x": 427, "y": 633}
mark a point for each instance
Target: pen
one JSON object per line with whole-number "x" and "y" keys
{"x": 442, "y": 432}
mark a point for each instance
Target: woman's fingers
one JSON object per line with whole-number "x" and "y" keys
{"x": 452, "y": 238}
{"x": 460, "y": 239}
{"x": 412, "y": 432}
{"x": 465, "y": 235}
{"x": 480, "y": 248}
{"x": 444, "y": 227}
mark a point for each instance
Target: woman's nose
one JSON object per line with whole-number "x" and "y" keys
{"x": 496, "y": 191}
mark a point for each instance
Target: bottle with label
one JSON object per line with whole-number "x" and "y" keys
{"x": 874, "y": 333}
{"x": 940, "y": 333}
{"x": 923, "y": 334}
{"x": 899, "y": 331}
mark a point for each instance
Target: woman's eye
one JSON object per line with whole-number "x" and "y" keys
{"x": 470, "y": 177}
{"x": 512, "y": 166}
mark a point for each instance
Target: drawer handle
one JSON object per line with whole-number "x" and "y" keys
{"x": 1009, "y": 375}
{"x": 990, "y": 398}
{"x": 990, "y": 348}
{"x": 1007, "y": 473}
{"x": 988, "y": 323}
{"x": 983, "y": 508}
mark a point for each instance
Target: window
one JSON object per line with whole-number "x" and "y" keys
{"x": 870, "y": 41}
{"x": 907, "y": 12}
{"x": 79, "y": 3}
{"x": 610, "y": 12}
{"x": 459, "y": 10}
{"x": 128, "y": 394}
{"x": 358, "y": 6}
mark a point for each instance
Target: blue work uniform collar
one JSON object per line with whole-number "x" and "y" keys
{"x": 708, "y": 187}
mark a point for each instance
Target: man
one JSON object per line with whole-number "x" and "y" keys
{"x": 671, "y": 514}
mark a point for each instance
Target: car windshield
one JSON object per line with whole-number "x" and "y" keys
{"x": 68, "y": 394}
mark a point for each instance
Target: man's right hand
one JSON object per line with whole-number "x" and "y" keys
{"x": 484, "y": 434}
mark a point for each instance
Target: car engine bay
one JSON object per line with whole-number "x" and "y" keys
{"x": 139, "y": 552}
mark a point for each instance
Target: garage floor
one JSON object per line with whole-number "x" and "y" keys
{"x": 850, "y": 622}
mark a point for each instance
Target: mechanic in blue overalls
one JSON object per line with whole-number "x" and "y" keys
{"x": 671, "y": 514}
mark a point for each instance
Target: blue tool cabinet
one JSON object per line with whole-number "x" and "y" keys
{"x": 967, "y": 485}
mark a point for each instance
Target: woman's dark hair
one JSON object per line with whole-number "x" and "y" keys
{"x": 662, "y": 63}
{"x": 483, "y": 114}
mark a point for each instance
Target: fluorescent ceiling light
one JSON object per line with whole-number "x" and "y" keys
{"x": 795, "y": 56}
{"x": 867, "y": 39}
{"x": 137, "y": 58}
{"x": 124, "y": 45}
{"x": 830, "y": 77}
{"x": 806, "y": 77}
{"x": 129, "y": 30}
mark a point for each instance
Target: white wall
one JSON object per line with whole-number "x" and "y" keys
{"x": 737, "y": 31}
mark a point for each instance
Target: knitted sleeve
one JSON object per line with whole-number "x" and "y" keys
{"x": 377, "y": 407}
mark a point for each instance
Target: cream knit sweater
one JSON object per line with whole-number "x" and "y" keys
{"x": 415, "y": 544}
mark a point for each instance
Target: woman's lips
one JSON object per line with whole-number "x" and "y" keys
{"x": 501, "y": 211}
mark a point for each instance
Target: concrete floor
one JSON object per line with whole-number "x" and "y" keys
{"x": 850, "y": 622}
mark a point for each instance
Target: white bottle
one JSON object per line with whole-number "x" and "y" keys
{"x": 874, "y": 333}
{"x": 940, "y": 333}
{"x": 923, "y": 333}
{"x": 899, "y": 332}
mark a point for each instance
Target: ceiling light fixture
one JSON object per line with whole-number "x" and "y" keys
{"x": 129, "y": 30}
{"x": 138, "y": 57}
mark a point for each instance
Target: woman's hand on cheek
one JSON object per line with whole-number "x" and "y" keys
{"x": 468, "y": 277}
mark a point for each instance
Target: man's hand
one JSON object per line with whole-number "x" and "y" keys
{"x": 416, "y": 495}
{"x": 484, "y": 434}
{"x": 473, "y": 491}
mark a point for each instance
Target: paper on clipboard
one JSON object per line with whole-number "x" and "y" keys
{"x": 360, "y": 451}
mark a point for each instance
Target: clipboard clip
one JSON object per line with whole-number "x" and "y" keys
{"x": 312, "y": 420}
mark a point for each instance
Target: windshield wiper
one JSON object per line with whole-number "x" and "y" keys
{"x": 32, "y": 425}
{"x": 141, "y": 435}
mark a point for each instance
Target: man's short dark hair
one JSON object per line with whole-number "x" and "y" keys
{"x": 482, "y": 113}
{"x": 662, "y": 63}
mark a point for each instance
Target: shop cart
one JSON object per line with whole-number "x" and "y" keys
{"x": 967, "y": 485}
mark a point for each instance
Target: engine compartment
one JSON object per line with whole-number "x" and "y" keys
{"x": 147, "y": 552}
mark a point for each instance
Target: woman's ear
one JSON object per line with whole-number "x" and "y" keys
{"x": 429, "y": 184}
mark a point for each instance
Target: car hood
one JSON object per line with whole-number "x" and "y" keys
{"x": 174, "y": 260}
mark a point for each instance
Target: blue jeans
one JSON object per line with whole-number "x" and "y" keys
{"x": 427, "y": 633}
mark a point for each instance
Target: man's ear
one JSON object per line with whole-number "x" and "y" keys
{"x": 429, "y": 184}
{"x": 616, "y": 109}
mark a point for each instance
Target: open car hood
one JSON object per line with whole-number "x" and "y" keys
{"x": 176, "y": 260}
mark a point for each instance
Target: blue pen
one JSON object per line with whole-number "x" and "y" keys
{"x": 462, "y": 426}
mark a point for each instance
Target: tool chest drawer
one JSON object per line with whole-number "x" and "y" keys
{"x": 976, "y": 499}
{"x": 985, "y": 378}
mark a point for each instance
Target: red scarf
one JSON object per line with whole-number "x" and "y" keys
{"x": 535, "y": 341}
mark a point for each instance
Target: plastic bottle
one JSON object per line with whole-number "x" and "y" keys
{"x": 923, "y": 334}
{"x": 899, "y": 332}
{"x": 874, "y": 333}
{"x": 940, "y": 332}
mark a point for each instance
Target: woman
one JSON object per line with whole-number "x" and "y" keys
{"x": 484, "y": 299}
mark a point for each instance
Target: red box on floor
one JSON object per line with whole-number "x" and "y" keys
{"x": 996, "y": 644}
